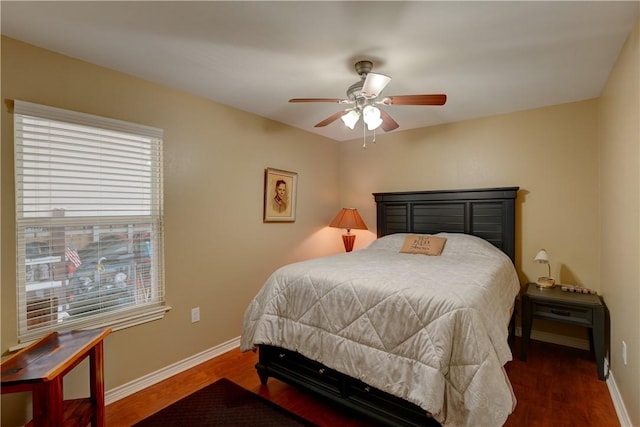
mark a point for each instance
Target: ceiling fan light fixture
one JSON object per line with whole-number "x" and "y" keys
{"x": 351, "y": 118}
{"x": 364, "y": 95}
{"x": 374, "y": 84}
{"x": 371, "y": 116}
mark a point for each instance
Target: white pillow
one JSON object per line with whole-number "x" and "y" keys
{"x": 457, "y": 244}
{"x": 391, "y": 242}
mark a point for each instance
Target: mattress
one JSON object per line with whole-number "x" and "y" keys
{"x": 429, "y": 329}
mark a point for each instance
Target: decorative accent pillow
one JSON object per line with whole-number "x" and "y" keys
{"x": 423, "y": 244}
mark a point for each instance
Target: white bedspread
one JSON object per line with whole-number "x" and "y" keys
{"x": 430, "y": 329}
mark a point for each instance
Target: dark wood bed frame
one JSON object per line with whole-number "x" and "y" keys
{"x": 488, "y": 213}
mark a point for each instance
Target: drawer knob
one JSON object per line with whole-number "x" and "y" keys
{"x": 367, "y": 389}
{"x": 321, "y": 371}
{"x": 281, "y": 355}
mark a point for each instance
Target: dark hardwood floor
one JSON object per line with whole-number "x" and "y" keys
{"x": 557, "y": 386}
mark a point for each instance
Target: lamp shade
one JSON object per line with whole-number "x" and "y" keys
{"x": 348, "y": 218}
{"x": 542, "y": 257}
{"x": 371, "y": 116}
{"x": 351, "y": 118}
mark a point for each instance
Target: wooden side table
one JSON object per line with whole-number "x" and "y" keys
{"x": 40, "y": 368}
{"x": 567, "y": 307}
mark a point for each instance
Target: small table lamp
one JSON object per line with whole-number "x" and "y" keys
{"x": 348, "y": 218}
{"x": 548, "y": 281}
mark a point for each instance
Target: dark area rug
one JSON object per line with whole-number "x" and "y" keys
{"x": 223, "y": 403}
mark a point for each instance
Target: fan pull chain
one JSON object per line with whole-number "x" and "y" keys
{"x": 364, "y": 136}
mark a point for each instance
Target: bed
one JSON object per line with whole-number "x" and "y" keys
{"x": 402, "y": 339}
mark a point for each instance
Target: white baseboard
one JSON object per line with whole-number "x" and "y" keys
{"x": 141, "y": 383}
{"x": 618, "y": 403}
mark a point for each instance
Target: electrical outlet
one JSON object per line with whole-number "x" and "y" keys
{"x": 624, "y": 352}
{"x": 195, "y": 314}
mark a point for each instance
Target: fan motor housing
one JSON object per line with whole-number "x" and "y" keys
{"x": 354, "y": 90}
{"x": 363, "y": 67}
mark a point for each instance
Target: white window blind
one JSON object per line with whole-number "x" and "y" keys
{"x": 89, "y": 221}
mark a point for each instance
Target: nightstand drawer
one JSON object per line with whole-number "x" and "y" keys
{"x": 563, "y": 313}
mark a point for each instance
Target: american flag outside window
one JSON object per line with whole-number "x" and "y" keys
{"x": 72, "y": 256}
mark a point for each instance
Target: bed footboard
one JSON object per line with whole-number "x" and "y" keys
{"x": 350, "y": 393}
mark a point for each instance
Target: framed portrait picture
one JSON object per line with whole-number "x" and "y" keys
{"x": 280, "y": 195}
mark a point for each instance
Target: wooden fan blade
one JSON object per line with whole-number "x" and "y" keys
{"x": 332, "y": 118}
{"x": 416, "y": 100}
{"x": 337, "y": 100}
{"x": 387, "y": 122}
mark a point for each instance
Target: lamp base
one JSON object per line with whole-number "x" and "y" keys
{"x": 348, "y": 240}
{"x": 545, "y": 282}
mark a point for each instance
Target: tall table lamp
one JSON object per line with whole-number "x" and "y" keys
{"x": 348, "y": 218}
{"x": 548, "y": 281}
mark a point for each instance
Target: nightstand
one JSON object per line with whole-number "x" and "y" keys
{"x": 40, "y": 368}
{"x": 567, "y": 307}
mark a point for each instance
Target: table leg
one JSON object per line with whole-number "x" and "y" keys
{"x": 526, "y": 326}
{"x": 598, "y": 333}
{"x": 47, "y": 403}
{"x": 96, "y": 384}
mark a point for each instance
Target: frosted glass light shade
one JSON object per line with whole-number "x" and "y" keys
{"x": 350, "y": 119}
{"x": 371, "y": 116}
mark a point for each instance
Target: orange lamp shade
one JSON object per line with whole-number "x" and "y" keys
{"x": 348, "y": 218}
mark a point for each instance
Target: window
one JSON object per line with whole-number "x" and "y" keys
{"x": 88, "y": 219}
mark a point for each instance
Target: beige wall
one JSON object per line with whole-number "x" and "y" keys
{"x": 578, "y": 167}
{"x": 619, "y": 148}
{"x": 218, "y": 251}
{"x": 215, "y": 156}
{"x": 550, "y": 153}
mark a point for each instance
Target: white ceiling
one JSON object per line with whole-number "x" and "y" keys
{"x": 488, "y": 57}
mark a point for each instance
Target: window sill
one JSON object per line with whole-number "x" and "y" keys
{"x": 156, "y": 313}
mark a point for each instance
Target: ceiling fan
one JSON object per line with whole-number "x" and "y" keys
{"x": 363, "y": 98}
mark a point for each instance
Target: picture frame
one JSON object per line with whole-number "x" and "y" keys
{"x": 280, "y": 189}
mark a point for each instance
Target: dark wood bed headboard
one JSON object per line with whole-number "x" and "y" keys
{"x": 488, "y": 213}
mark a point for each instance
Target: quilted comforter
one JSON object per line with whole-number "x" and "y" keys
{"x": 430, "y": 329}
